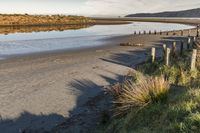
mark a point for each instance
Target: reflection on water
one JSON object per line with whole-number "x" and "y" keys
{"x": 25, "y": 40}
{"x": 28, "y": 29}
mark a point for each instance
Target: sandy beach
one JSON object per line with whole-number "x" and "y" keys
{"x": 40, "y": 91}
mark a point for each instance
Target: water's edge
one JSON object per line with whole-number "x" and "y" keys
{"x": 23, "y": 44}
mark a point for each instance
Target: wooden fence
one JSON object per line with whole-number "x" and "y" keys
{"x": 177, "y": 32}
{"x": 172, "y": 52}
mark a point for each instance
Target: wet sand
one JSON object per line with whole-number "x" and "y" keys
{"x": 38, "y": 92}
{"x": 192, "y": 21}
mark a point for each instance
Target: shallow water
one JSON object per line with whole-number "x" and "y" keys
{"x": 68, "y": 38}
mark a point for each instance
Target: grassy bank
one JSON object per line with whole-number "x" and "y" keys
{"x": 157, "y": 99}
{"x": 35, "y": 20}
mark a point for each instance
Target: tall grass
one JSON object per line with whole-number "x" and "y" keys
{"x": 181, "y": 114}
{"x": 137, "y": 94}
{"x": 178, "y": 73}
{"x": 152, "y": 107}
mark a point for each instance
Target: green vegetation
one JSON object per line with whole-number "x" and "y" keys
{"x": 139, "y": 93}
{"x": 149, "y": 106}
{"x": 18, "y": 19}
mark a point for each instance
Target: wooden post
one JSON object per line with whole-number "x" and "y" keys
{"x": 181, "y": 48}
{"x": 189, "y": 32}
{"x": 149, "y": 32}
{"x": 164, "y": 51}
{"x": 189, "y": 42}
{"x": 139, "y": 32}
{"x": 135, "y": 32}
{"x": 174, "y": 33}
{"x": 153, "y": 55}
{"x": 167, "y": 33}
{"x": 181, "y": 32}
{"x": 167, "y": 57}
{"x": 198, "y": 30}
{"x": 174, "y": 49}
{"x": 194, "y": 40}
{"x": 144, "y": 32}
{"x": 160, "y": 32}
{"x": 155, "y": 32}
{"x": 193, "y": 59}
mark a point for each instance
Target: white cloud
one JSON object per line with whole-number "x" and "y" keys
{"x": 105, "y": 7}
{"x": 94, "y": 7}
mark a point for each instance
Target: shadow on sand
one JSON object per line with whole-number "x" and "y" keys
{"x": 30, "y": 123}
{"x": 134, "y": 57}
{"x": 129, "y": 59}
{"x": 92, "y": 104}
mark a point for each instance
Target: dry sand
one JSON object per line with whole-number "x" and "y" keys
{"x": 37, "y": 92}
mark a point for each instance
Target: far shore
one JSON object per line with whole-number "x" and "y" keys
{"x": 42, "y": 20}
{"x": 8, "y": 20}
{"x": 146, "y": 19}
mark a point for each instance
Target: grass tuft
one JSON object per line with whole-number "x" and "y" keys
{"x": 137, "y": 94}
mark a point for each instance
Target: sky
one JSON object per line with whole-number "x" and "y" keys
{"x": 94, "y": 7}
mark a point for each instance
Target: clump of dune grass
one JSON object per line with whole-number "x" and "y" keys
{"x": 139, "y": 93}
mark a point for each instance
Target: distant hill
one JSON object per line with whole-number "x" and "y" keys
{"x": 192, "y": 13}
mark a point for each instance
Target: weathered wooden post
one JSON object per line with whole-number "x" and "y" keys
{"x": 174, "y": 49}
{"x": 164, "y": 48}
{"x": 167, "y": 57}
{"x": 193, "y": 41}
{"x": 181, "y": 32}
{"x": 149, "y": 32}
{"x": 135, "y": 32}
{"x": 194, "y": 38}
{"x": 197, "y": 45}
{"x": 197, "y": 30}
{"x": 144, "y": 32}
{"x": 160, "y": 32}
{"x": 139, "y": 32}
{"x": 193, "y": 60}
{"x": 167, "y": 33}
{"x": 188, "y": 43}
{"x": 181, "y": 48}
{"x": 174, "y": 33}
{"x": 189, "y": 33}
{"x": 155, "y": 32}
{"x": 153, "y": 55}
{"x": 164, "y": 51}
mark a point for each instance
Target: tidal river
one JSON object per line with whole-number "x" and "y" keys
{"x": 19, "y": 41}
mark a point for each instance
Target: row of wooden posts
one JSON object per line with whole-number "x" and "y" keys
{"x": 188, "y": 32}
{"x": 167, "y": 53}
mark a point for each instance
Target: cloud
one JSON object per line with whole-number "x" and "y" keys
{"x": 105, "y": 7}
{"x": 94, "y": 7}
